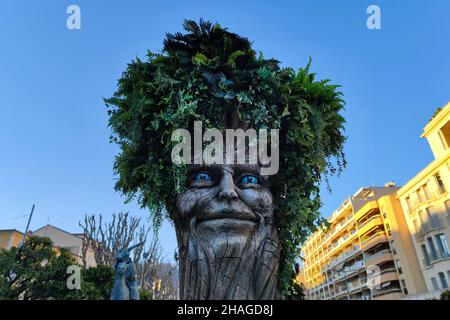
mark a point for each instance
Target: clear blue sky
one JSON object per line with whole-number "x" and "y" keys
{"x": 55, "y": 150}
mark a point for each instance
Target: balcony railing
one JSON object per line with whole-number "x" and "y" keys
{"x": 344, "y": 256}
{"x": 376, "y": 216}
{"x": 347, "y": 272}
{"x": 341, "y": 225}
{"x": 341, "y": 290}
{"x": 435, "y": 224}
{"x": 358, "y": 285}
{"x": 373, "y": 257}
{"x": 430, "y": 197}
{"x": 430, "y": 259}
{"x": 378, "y": 292}
{"x": 353, "y": 287}
{"x": 380, "y": 234}
{"x": 426, "y": 198}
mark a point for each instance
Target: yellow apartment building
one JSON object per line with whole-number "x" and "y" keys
{"x": 365, "y": 253}
{"x": 10, "y": 238}
{"x": 426, "y": 202}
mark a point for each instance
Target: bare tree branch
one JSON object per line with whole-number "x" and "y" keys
{"x": 105, "y": 239}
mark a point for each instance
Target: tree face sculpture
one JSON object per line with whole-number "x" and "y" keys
{"x": 238, "y": 231}
{"x": 230, "y": 247}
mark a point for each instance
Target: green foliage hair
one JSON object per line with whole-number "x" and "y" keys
{"x": 202, "y": 75}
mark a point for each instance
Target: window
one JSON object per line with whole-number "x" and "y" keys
{"x": 399, "y": 267}
{"x": 447, "y": 208}
{"x": 426, "y": 191}
{"x": 420, "y": 195}
{"x": 416, "y": 226}
{"x": 388, "y": 228}
{"x": 426, "y": 258}
{"x": 441, "y": 240}
{"x": 422, "y": 217}
{"x": 409, "y": 204}
{"x": 405, "y": 289}
{"x": 394, "y": 247}
{"x": 433, "y": 217}
{"x": 432, "y": 248}
{"x": 423, "y": 193}
{"x": 434, "y": 283}
{"x": 440, "y": 183}
{"x": 445, "y": 134}
{"x": 443, "y": 280}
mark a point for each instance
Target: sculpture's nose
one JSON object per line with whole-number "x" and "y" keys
{"x": 227, "y": 186}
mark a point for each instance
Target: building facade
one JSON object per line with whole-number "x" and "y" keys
{"x": 69, "y": 241}
{"x": 426, "y": 204}
{"x": 60, "y": 238}
{"x": 365, "y": 253}
{"x": 10, "y": 238}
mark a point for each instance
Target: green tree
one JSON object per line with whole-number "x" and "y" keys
{"x": 145, "y": 294}
{"x": 296, "y": 291}
{"x": 97, "y": 282}
{"x": 35, "y": 271}
{"x": 445, "y": 295}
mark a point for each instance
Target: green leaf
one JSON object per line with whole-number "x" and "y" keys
{"x": 200, "y": 59}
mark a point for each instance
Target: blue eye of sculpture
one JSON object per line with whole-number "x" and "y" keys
{"x": 248, "y": 179}
{"x": 202, "y": 176}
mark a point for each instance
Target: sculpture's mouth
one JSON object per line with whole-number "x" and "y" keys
{"x": 227, "y": 214}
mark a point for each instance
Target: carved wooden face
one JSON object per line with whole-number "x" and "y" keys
{"x": 228, "y": 241}
{"x": 225, "y": 198}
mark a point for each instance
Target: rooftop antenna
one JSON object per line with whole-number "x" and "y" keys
{"x": 28, "y": 225}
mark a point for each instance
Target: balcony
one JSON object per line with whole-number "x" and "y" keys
{"x": 389, "y": 274}
{"x": 348, "y": 272}
{"x": 344, "y": 256}
{"x": 389, "y": 290}
{"x": 427, "y": 201}
{"x": 356, "y": 249}
{"x": 325, "y": 268}
{"x": 370, "y": 224}
{"x": 354, "y": 287}
{"x": 379, "y": 257}
{"x": 341, "y": 291}
{"x": 360, "y": 284}
{"x": 433, "y": 225}
{"x": 370, "y": 242}
{"x": 367, "y": 208}
{"x": 392, "y": 293}
{"x": 341, "y": 225}
{"x": 432, "y": 259}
